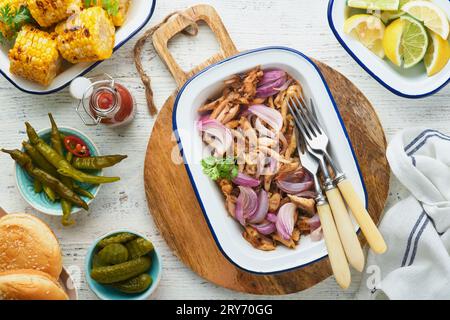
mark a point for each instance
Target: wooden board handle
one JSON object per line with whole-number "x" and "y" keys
{"x": 181, "y": 22}
{"x": 368, "y": 227}
{"x": 336, "y": 253}
{"x": 348, "y": 236}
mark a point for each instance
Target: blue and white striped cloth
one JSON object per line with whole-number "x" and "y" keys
{"x": 417, "y": 229}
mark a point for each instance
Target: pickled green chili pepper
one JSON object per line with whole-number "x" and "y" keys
{"x": 56, "y": 144}
{"x": 38, "y": 159}
{"x": 49, "y": 192}
{"x": 37, "y": 186}
{"x": 97, "y": 163}
{"x": 82, "y": 192}
{"x": 60, "y": 163}
{"x": 46, "y": 179}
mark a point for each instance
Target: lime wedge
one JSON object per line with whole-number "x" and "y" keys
{"x": 374, "y": 4}
{"x": 431, "y": 15}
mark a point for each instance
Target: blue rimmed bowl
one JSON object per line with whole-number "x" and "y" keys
{"x": 105, "y": 292}
{"x": 138, "y": 16}
{"x": 411, "y": 83}
{"x": 40, "y": 201}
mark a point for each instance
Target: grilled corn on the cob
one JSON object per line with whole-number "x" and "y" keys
{"x": 118, "y": 17}
{"x": 48, "y": 12}
{"x": 35, "y": 56}
{"x": 14, "y": 6}
{"x": 86, "y": 36}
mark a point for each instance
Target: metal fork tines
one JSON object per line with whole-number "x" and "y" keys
{"x": 317, "y": 140}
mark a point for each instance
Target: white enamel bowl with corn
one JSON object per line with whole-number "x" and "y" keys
{"x": 43, "y": 63}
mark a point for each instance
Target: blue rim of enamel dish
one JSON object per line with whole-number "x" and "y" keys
{"x": 175, "y": 130}
{"x": 367, "y": 69}
{"x": 90, "y": 68}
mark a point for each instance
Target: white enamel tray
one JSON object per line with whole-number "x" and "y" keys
{"x": 139, "y": 14}
{"x": 226, "y": 231}
{"x": 411, "y": 83}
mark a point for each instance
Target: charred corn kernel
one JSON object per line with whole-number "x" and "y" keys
{"x": 50, "y": 12}
{"x": 13, "y": 5}
{"x": 35, "y": 56}
{"x": 121, "y": 15}
{"x": 86, "y": 36}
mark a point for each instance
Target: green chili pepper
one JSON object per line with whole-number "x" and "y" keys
{"x": 38, "y": 159}
{"x": 49, "y": 192}
{"x": 60, "y": 163}
{"x": 37, "y": 186}
{"x": 56, "y": 143}
{"x": 82, "y": 192}
{"x": 46, "y": 179}
{"x": 97, "y": 163}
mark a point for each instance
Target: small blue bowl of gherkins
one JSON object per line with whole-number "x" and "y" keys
{"x": 123, "y": 265}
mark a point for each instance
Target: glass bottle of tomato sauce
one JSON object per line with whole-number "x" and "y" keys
{"x": 104, "y": 100}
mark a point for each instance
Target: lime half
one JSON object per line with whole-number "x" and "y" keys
{"x": 414, "y": 42}
{"x": 375, "y": 4}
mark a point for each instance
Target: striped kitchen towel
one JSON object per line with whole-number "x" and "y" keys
{"x": 417, "y": 229}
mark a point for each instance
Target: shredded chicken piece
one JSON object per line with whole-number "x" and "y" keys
{"x": 274, "y": 202}
{"x": 250, "y": 83}
{"x": 231, "y": 205}
{"x": 292, "y": 147}
{"x": 268, "y": 182}
{"x": 288, "y": 243}
{"x": 307, "y": 205}
{"x": 251, "y": 169}
{"x": 211, "y": 106}
{"x": 228, "y": 116}
{"x": 232, "y": 124}
{"x": 303, "y": 225}
{"x": 226, "y": 187}
{"x": 258, "y": 240}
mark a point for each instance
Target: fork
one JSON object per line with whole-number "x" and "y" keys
{"x": 336, "y": 253}
{"x": 368, "y": 227}
{"x": 318, "y": 141}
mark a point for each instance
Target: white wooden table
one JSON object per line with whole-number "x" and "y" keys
{"x": 300, "y": 24}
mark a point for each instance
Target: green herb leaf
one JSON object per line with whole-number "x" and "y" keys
{"x": 220, "y": 168}
{"x": 14, "y": 20}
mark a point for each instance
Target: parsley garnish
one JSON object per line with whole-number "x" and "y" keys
{"x": 14, "y": 20}
{"x": 111, "y": 6}
{"x": 220, "y": 168}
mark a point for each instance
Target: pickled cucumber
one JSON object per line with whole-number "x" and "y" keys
{"x": 122, "y": 271}
{"x": 135, "y": 285}
{"x": 97, "y": 262}
{"x": 117, "y": 238}
{"x": 113, "y": 253}
{"x": 139, "y": 247}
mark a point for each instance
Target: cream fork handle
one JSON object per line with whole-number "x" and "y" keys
{"x": 347, "y": 233}
{"x": 368, "y": 227}
{"x": 336, "y": 253}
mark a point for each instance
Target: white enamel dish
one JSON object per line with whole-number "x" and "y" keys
{"x": 139, "y": 14}
{"x": 226, "y": 231}
{"x": 411, "y": 83}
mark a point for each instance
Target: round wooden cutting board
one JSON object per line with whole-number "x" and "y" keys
{"x": 172, "y": 201}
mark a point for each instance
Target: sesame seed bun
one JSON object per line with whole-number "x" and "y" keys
{"x": 29, "y": 285}
{"x": 28, "y": 243}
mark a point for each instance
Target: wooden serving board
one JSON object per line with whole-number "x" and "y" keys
{"x": 172, "y": 201}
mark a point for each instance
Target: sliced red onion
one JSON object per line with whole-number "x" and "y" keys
{"x": 294, "y": 187}
{"x": 270, "y": 116}
{"x": 246, "y": 181}
{"x": 271, "y": 80}
{"x": 265, "y": 228}
{"x": 309, "y": 194}
{"x": 314, "y": 222}
{"x": 284, "y": 86}
{"x": 217, "y": 130}
{"x": 246, "y": 204}
{"x": 271, "y": 217}
{"x": 286, "y": 220}
{"x": 263, "y": 208}
{"x": 269, "y": 89}
{"x": 317, "y": 234}
{"x": 271, "y": 75}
